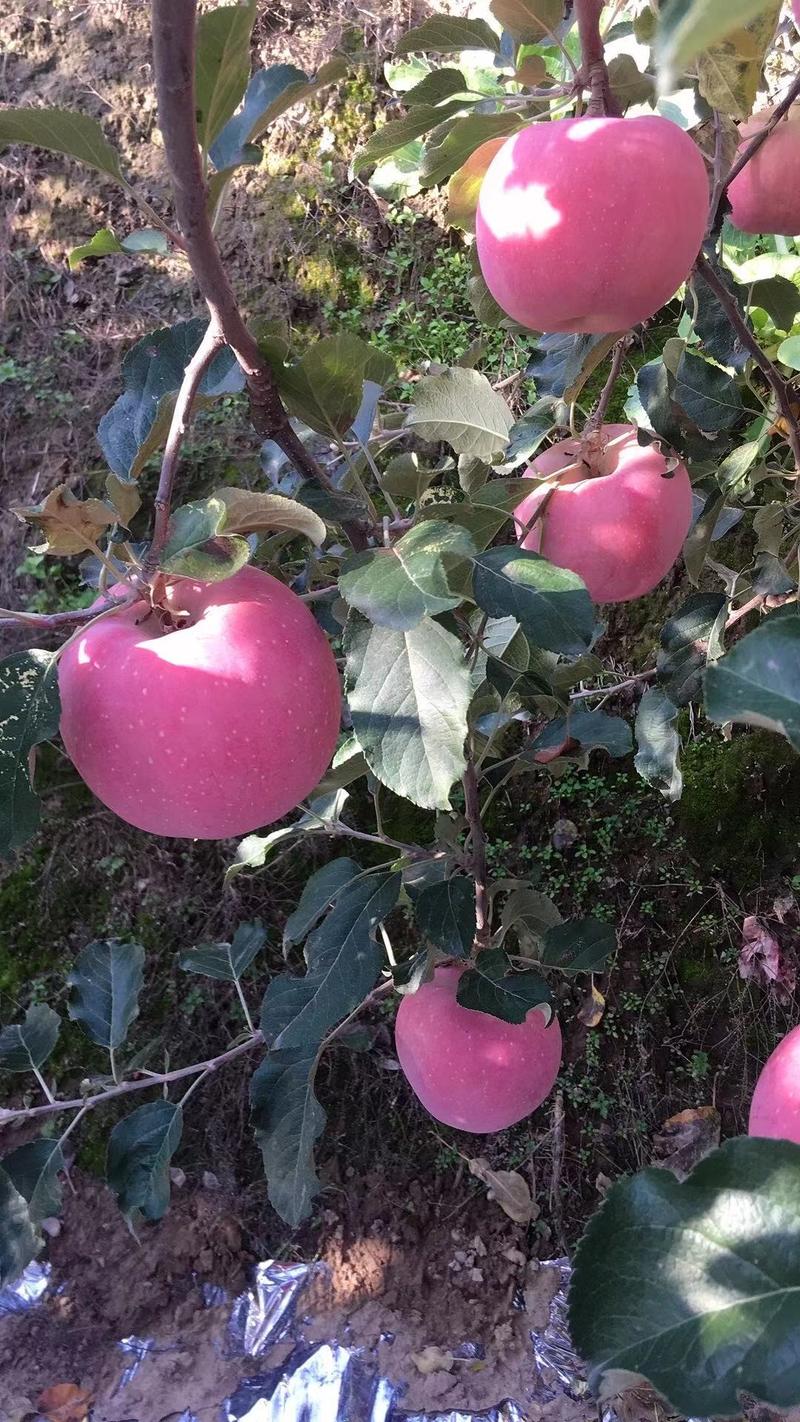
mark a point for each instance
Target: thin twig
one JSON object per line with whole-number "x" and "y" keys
{"x": 477, "y": 840}
{"x": 594, "y": 71}
{"x": 212, "y": 342}
{"x": 780, "y": 387}
{"x": 53, "y": 621}
{"x": 718, "y": 203}
{"x": 173, "y": 67}
{"x": 595, "y": 420}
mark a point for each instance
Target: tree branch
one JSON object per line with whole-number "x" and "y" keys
{"x": 780, "y": 387}
{"x": 173, "y": 65}
{"x": 478, "y": 856}
{"x": 54, "y": 621}
{"x": 212, "y": 341}
{"x": 719, "y": 198}
{"x": 594, "y": 71}
{"x": 597, "y": 416}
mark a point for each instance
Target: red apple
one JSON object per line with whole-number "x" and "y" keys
{"x": 212, "y": 729}
{"x": 775, "y": 1108}
{"x": 796, "y": 12}
{"x": 591, "y": 224}
{"x": 469, "y": 1069}
{"x": 765, "y": 197}
{"x": 617, "y": 520}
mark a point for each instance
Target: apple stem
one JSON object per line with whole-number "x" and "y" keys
{"x": 174, "y": 24}
{"x": 719, "y": 201}
{"x": 594, "y": 71}
{"x": 597, "y": 416}
{"x": 478, "y": 866}
{"x": 781, "y": 388}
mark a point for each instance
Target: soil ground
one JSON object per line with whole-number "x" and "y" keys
{"x": 414, "y": 1245}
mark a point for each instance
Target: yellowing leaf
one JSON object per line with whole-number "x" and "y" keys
{"x": 64, "y": 1402}
{"x": 69, "y": 524}
{"x": 125, "y": 497}
{"x": 465, "y": 185}
{"x": 729, "y": 73}
{"x": 508, "y": 1188}
{"x": 249, "y": 512}
{"x": 592, "y": 1008}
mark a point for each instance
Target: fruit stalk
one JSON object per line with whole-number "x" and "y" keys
{"x": 477, "y": 839}
{"x": 173, "y": 66}
{"x": 594, "y": 71}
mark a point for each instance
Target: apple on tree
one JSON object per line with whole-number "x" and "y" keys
{"x": 591, "y": 224}
{"x": 775, "y": 1108}
{"x": 469, "y": 1069}
{"x": 211, "y": 727}
{"x": 617, "y": 517}
{"x": 765, "y": 196}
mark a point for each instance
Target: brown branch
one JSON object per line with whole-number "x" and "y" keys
{"x": 594, "y": 71}
{"x": 173, "y": 65}
{"x": 597, "y": 416}
{"x": 212, "y": 342}
{"x": 719, "y": 198}
{"x": 477, "y": 856}
{"x": 53, "y": 621}
{"x": 780, "y": 387}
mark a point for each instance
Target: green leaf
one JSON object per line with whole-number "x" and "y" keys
{"x": 105, "y": 985}
{"x": 270, "y": 93}
{"x": 659, "y": 743}
{"x": 529, "y": 21}
{"x": 708, "y": 394}
{"x": 448, "y": 34}
{"x": 442, "y": 159}
{"x": 333, "y": 505}
{"x": 561, "y": 364}
{"x": 398, "y": 133}
{"x": 146, "y": 239}
{"x": 29, "y": 714}
{"x": 247, "y": 511}
{"x": 33, "y": 1171}
{"x": 140, "y": 1149}
{"x": 684, "y": 644}
{"x": 226, "y": 961}
{"x": 399, "y": 586}
{"x": 319, "y": 892}
{"x": 789, "y": 352}
{"x": 780, "y": 298}
{"x": 62, "y": 131}
{"x": 26, "y": 1045}
{"x": 530, "y": 431}
{"x": 492, "y": 986}
{"x": 437, "y": 86}
{"x": 686, "y": 27}
{"x": 711, "y": 322}
{"x": 222, "y": 66}
{"x": 103, "y": 244}
{"x": 707, "y": 1306}
{"x": 550, "y": 604}
{"x": 151, "y": 372}
{"x": 628, "y": 84}
{"x": 254, "y": 850}
{"x": 461, "y": 407}
{"x": 325, "y": 388}
{"x": 409, "y": 693}
{"x": 758, "y": 681}
{"x": 729, "y": 73}
{"x": 698, "y": 539}
{"x": 19, "y": 1243}
{"x": 581, "y": 945}
{"x": 343, "y": 963}
{"x": 193, "y": 548}
{"x": 445, "y": 915}
{"x": 398, "y": 177}
{"x": 288, "y": 1120}
{"x": 593, "y": 730}
{"x": 529, "y": 914}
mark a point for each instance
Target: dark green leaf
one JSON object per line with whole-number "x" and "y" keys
{"x": 551, "y": 604}
{"x": 409, "y": 693}
{"x": 334, "y": 505}
{"x": 712, "y": 323}
{"x": 694, "y": 1284}
{"x": 194, "y": 548}
{"x": 442, "y": 159}
{"x": 448, "y": 34}
{"x": 529, "y": 914}
{"x": 561, "y": 364}
{"x": 659, "y": 743}
{"x": 319, "y": 892}
{"x": 398, "y": 133}
{"x": 29, "y": 714}
{"x": 779, "y": 297}
{"x": 530, "y": 431}
{"x": 581, "y": 945}
{"x": 288, "y": 1120}
{"x": 325, "y": 388}
{"x": 399, "y": 586}
{"x": 445, "y": 915}
{"x": 18, "y": 1240}
{"x": 233, "y": 144}
{"x": 460, "y": 406}
{"x": 222, "y": 66}
{"x": 152, "y": 371}
{"x": 770, "y": 578}
{"x": 33, "y": 1171}
{"x": 654, "y": 387}
{"x": 709, "y": 395}
{"x": 140, "y": 1149}
{"x": 684, "y": 643}
{"x": 26, "y": 1045}
{"x": 62, "y": 131}
{"x": 492, "y": 986}
{"x": 105, "y": 985}
{"x": 343, "y": 962}
{"x": 594, "y": 730}
{"x": 437, "y": 86}
{"x": 700, "y": 535}
{"x": 226, "y": 961}
{"x": 758, "y": 681}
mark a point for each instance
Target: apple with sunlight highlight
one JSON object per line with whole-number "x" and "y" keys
{"x": 591, "y": 224}
{"x": 765, "y": 197}
{"x": 214, "y": 728}
{"x": 617, "y": 518}
{"x": 775, "y": 1108}
{"x": 471, "y": 1070}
